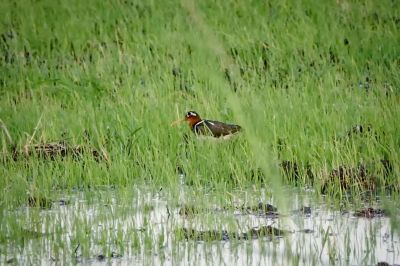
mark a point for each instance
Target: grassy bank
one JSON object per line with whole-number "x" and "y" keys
{"x": 111, "y": 76}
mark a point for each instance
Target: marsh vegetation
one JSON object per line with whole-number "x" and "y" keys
{"x": 91, "y": 171}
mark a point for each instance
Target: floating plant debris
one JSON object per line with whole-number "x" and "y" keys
{"x": 63, "y": 202}
{"x": 101, "y": 257}
{"x": 188, "y": 210}
{"x": 382, "y": 263}
{"x": 370, "y": 213}
{"x": 303, "y": 211}
{"x": 306, "y": 210}
{"x": 307, "y": 231}
{"x": 115, "y": 255}
{"x": 223, "y": 235}
{"x": 261, "y": 209}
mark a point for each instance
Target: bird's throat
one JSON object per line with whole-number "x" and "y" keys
{"x": 193, "y": 121}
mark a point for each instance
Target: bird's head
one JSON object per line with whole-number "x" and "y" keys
{"x": 192, "y": 117}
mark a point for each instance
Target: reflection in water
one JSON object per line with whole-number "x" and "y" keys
{"x": 146, "y": 228}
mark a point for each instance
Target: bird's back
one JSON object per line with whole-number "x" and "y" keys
{"x": 215, "y": 128}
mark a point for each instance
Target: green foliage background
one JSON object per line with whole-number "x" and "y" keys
{"x": 301, "y": 73}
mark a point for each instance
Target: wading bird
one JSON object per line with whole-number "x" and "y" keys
{"x": 205, "y": 127}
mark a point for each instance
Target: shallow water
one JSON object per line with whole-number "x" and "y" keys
{"x": 110, "y": 227}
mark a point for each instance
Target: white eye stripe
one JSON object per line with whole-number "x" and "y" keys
{"x": 191, "y": 114}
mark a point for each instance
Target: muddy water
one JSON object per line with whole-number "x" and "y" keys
{"x": 104, "y": 228}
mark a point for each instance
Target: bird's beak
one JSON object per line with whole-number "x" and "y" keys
{"x": 177, "y": 122}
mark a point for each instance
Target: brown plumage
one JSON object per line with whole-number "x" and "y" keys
{"x": 209, "y": 127}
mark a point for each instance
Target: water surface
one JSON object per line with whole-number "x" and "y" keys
{"x": 115, "y": 227}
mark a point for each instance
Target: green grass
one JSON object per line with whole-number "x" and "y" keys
{"x": 304, "y": 72}
{"x": 299, "y": 73}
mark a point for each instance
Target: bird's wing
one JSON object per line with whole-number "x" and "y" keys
{"x": 215, "y": 128}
